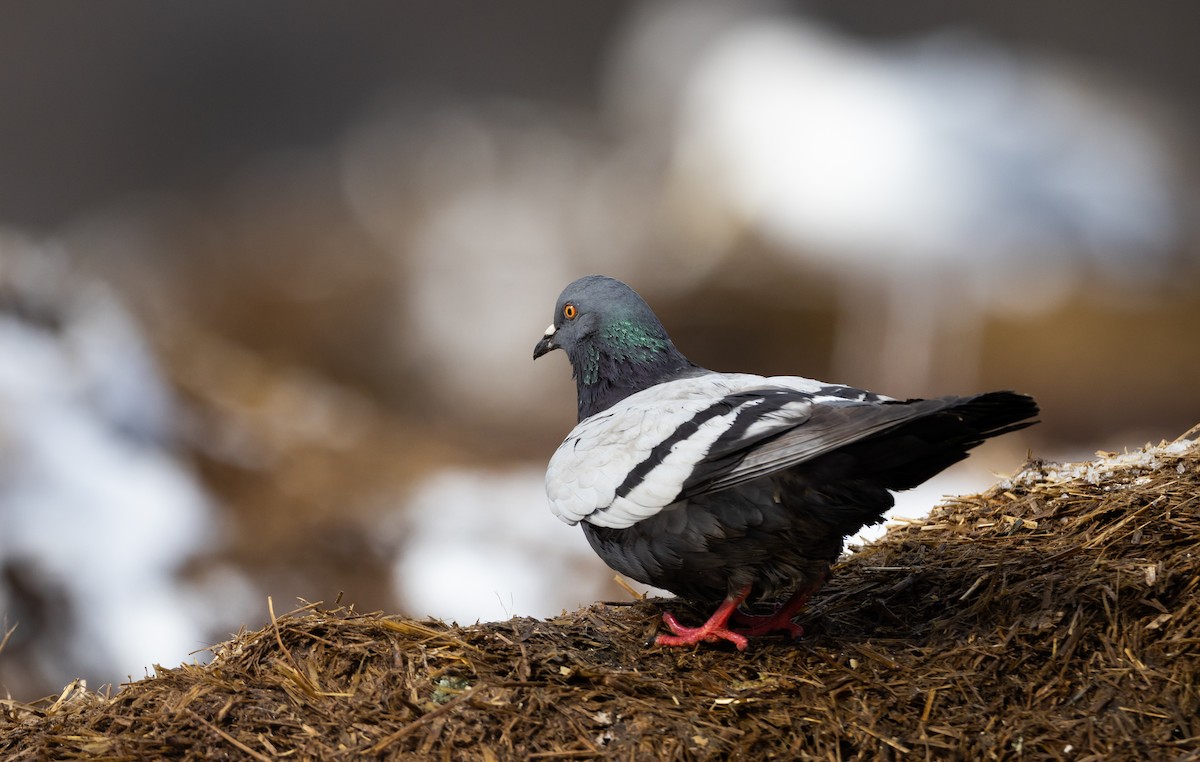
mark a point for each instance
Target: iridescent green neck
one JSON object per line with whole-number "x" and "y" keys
{"x": 624, "y": 357}
{"x": 625, "y": 341}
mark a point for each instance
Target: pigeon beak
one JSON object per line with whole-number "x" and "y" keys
{"x": 546, "y": 344}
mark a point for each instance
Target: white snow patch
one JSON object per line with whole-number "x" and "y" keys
{"x": 965, "y": 479}
{"x": 95, "y": 510}
{"x": 484, "y": 546}
{"x": 1102, "y": 468}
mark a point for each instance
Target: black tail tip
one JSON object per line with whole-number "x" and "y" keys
{"x": 1000, "y": 412}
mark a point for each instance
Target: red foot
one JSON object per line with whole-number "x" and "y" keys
{"x": 748, "y": 625}
{"x": 756, "y": 624}
{"x": 712, "y": 631}
{"x": 705, "y": 633}
{"x": 780, "y": 620}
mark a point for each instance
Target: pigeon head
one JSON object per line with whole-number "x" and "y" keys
{"x": 615, "y": 342}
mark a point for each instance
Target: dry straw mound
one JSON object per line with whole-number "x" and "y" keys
{"x": 1056, "y": 616}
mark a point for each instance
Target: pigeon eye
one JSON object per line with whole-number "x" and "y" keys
{"x": 569, "y": 312}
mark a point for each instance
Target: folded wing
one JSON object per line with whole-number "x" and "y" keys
{"x": 706, "y": 433}
{"x": 634, "y": 459}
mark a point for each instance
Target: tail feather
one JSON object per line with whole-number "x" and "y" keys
{"x": 917, "y": 449}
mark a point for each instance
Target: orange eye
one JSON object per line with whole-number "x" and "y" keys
{"x": 569, "y": 312}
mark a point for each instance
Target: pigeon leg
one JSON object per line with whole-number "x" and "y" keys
{"x": 778, "y": 621}
{"x": 713, "y": 630}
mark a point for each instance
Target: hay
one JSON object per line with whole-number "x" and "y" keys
{"x": 1057, "y": 616}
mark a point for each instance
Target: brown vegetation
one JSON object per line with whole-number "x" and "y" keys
{"x": 1056, "y": 616}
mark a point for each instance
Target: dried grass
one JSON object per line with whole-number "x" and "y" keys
{"x": 1056, "y": 616}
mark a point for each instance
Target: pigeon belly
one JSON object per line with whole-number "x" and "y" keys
{"x": 778, "y": 534}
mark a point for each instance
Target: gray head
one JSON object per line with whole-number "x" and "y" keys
{"x": 616, "y": 344}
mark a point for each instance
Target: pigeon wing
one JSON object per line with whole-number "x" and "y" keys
{"x": 695, "y": 435}
{"x": 901, "y": 443}
{"x": 831, "y": 423}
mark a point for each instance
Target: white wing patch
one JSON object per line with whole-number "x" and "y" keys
{"x": 590, "y": 468}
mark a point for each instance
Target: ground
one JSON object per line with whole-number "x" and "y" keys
{"x": 1056, "y": 616}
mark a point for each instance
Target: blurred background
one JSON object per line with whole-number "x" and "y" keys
{"x": 271, "y": 273}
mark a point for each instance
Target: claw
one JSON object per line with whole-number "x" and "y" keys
{"x": 712, "y": 631}
{"x": 709, "y": 632}
{"x": 755, "y": 625}
{"x": 748, "y": 625}
{"x": 780, "y": 620}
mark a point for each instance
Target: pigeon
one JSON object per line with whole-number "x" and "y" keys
{"x": 733, "y": 489}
